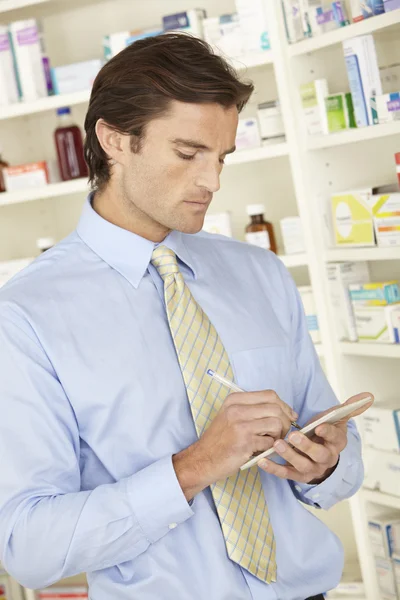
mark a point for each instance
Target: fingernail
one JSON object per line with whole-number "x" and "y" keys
{"x": 295, "y": 438}
{"x": 280, "y": 446}
{"x": 263, "y": 464}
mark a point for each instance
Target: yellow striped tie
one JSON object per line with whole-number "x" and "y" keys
{"x": 240, "y": 500}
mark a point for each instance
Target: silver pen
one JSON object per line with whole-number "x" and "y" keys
{"x": 231, "y": 385}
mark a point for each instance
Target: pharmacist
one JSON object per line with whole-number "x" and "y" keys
{"x": 120, "y": 453}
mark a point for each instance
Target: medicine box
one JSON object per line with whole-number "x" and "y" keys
{"x": 307, "y": 297}
{"x": 27, "y": 48}
{"x": 340, "y": 276}
{"x": 391, "y": 5}
{"x": 293, "y": 20}
{"x": 313, "y": 96}
{"x": 386, "y": 215}
{"x": 381, "y": 426}
{"x": 248, "y": 134}
{"x": 384, "y": 535}
{"x": 385, "y": 576}
{"x": 371, "y": 8}
{"x": 114, "y": 43}
{"x": 373, "y": 323}
{"x": 363, "y": 74}
{"x": 397, "y": 160}
{"x": 75, "y": 77}
{"x": 218, "y": 223}
{"x": 293, "y": 235}
{"x": 253, "y": 25}
{"x": 385, "y": 108}
{"x": 26, "y": 176}
{"x": 224, "y": 35}
{"x": 375, "y": 294}
{"x": 8, "y": 83}
{"x": 190, "y": 21}
{"x": 340, "y": 112}
{"x": 396, "y": 571}
{"x": 382, "y": 471}
{"x": 270, "y": 121}
{"x": 352, "y": 218}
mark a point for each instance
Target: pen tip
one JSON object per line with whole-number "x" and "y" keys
{"x": 210, "y": 372}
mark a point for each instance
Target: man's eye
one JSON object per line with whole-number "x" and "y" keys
{"x": 186, "y": 156}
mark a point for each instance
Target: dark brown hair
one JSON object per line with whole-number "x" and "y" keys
{"x": 138, "y": 84}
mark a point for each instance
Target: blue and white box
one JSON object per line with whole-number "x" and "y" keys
{"x": 253, "y": 25}
{"x": 8, "y": 82}
{"x": 77, "y": 77}
{"x": 307, "y": 297}
{"x": 190, "y": 21}
{"x": 371, "y": 8}
{"x": 364, "y": 77}
{"x": 384, "y": 535}
{"x": 381, "y": 426}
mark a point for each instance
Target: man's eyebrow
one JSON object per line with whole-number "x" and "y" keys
{"x": 197, "y": 145}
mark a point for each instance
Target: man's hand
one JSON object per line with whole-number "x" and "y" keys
{"x": 313, "y": 460}
{"x": 247, "y": 423}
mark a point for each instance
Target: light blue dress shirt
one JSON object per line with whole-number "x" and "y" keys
{"x": 93, "y": 406}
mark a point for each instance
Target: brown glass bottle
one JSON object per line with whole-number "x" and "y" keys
{"x": 260, "y": 232}
{"x": 3, "y": 165}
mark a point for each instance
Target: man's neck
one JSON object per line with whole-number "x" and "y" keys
{"x": 111, "y": 207}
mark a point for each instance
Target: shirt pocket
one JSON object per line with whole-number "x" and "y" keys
{"x": 264, "y": 368}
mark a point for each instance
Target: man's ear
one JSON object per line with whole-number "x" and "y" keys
{"x": 114, "y": 144}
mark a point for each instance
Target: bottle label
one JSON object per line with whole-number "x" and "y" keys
{"x": 259, "y": 238}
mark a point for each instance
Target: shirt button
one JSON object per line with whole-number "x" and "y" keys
{"x": 173, "y": 525}
{"x": 298, "y": 488}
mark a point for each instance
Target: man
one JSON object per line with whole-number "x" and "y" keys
{"x": 120, "y": 455}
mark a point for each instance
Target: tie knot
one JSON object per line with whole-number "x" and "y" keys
{"x": 165, "y": 261}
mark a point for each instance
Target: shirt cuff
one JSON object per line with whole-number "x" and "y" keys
{"x": 338, "y": 486}
{"x": 157, "y": 499}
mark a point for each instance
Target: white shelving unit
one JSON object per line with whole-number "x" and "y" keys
{"x": 311, "y": 168}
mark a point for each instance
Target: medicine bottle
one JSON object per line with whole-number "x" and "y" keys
{"x": 45, "y": 243}
{"x": 69, "y": 144}
{"x": 260, "y": 232}
{"x": 3, "y": 165}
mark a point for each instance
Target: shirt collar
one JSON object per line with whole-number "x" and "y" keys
{"x": 128, "y": 253}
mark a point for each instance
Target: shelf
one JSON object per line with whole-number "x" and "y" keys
{"x": 357, "y": 254}
{"x": 77, "y": 186}
{"x": 382, "y": 499}
{"x": 352, "y": 136}
{"x": 370, "y": 25}
{"x": 294, "y": 260}
{"x": 24, "y": 109}
{"x": 261, "y": 153}
{"x": 370, "y": 349}
{"x": 7, "y": 5}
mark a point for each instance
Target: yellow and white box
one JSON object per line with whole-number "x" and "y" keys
{"x": 352, "y": 218}
{"x": 373, "y": 323}
{"x": 379, "y": 293}
{"x": 386, "y": 215}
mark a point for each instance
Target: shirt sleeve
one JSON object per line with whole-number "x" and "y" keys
{"x": 312, "y": 395}
{"x": 49, "y": 528}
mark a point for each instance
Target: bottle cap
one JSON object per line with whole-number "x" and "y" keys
{"x": 45, "y": 243}
{"x": 63, "y": 111}
{"x": 255, "y": 209}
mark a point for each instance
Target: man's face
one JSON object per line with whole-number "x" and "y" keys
{"x": 173, "y": 177}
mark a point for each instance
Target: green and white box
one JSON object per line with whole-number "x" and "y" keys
{"x": 313, "y": 96}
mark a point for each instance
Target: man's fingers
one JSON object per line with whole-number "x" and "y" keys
{"x": 263, "y": 397}
{"x": 330, "y": 433}
{"x": 314, "y": 452}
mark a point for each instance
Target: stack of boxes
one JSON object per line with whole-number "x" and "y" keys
{"x": 376, "y": 308}
{"x": 381, "y": 437}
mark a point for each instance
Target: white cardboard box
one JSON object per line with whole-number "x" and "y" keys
{"x": 386, "y": 582}
{"x": 384, "y": 535}
{"x": 381, "y": 426}
{"x": 293, "y": 235}
{"x": 374, "y": 323}
{"x": 248, "y": 134}
{"x": 8, "y": 82}
{"x": 27, "y": 48}
{"x": 253, "y": 25}
{"x": 313, "y": 96}
{"x": 218, "y": 223}
{"x": 340, "y": 276}
{"x": 396, "y": 571}
{"x": 382, "y": 471}
{"x": 307, "y": 297}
